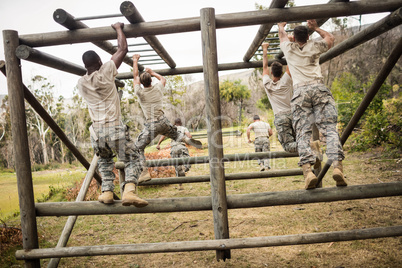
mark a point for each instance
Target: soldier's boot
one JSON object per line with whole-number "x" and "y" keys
{"x": 309, "y": 177}
{"x": 106, "y": 197}
{"x": 186, "y": 168}
{"x": 262, "y": 167}
{"x": 144, "y": 176}
{"x": 190, "y": 141}
{"x": 337, "y": 175}
{"x": 316, "y": 147}
{"x": 130, "y": 198}
{"x": 180, "y": 172}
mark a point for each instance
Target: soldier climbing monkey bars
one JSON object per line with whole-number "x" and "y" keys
{"x": 207, "y": 23}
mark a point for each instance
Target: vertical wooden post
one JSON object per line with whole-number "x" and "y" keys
{"x": 20, "y": 141}
{"x": 215, "y": 148}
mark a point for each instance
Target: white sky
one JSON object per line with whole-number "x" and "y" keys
{"x": 29, "y": 17}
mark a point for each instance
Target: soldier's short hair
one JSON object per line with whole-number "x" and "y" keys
{"x": 90, "y": 58}
{"x": 256, "y": 117}
{"x": 177, "y": 121}
{"x": 301, "y": 34}
{"x": 146, "y": 79}
{"x": 276, "y": 69}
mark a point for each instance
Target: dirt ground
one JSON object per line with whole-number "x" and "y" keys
{"x": 366, "y": 168}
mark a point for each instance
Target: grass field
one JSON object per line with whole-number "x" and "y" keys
{"x": 360, "y": 169}
{"x": 41, "y": 182}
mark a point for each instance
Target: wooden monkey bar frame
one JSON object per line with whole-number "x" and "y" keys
{"x": 207, "y": 23}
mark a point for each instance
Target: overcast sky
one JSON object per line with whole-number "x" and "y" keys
{"x": 36, "y": 16}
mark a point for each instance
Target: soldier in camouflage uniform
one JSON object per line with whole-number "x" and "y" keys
{"x": 312, "y": 101}
{"x": 262, "y": 132}
{"x": 108, "y": 134}
{"x": 178, "y": 149}
{"x": 279, "y": 91}
{"x": 150, "y": 99}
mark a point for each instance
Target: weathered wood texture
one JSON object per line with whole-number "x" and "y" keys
{"x": 20, "y": 145}
{"x": 67, "y": 20}
{"x": 225, "y": 158}
{"x": 199, "y": 69}
{"x": 389, "y": 22}
{"x": 222, "y": 21}
{"x": 213, "y": 109}
{"x": 30, "y": 98}
{"x": 228, "y": 177}
{"x": 68, "y": 228}
{"x": 263, "y": 31}
{"x": 203, "y": 245}
{"x": 266, "y": 199}
{"x": 131, "y": 13}
{"x": 27, "y": 53}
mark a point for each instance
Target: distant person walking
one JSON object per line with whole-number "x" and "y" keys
{"x": 262, "y": 132}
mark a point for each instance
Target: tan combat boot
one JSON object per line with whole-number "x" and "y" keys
{"x": 316, "y": 147}
{"x": 337, "y": 175}
{"x": 144, "y": 176}
{"x": 130, "y": 198}
{"x": 106, "y": 197}
{"x": 309, "y": 177}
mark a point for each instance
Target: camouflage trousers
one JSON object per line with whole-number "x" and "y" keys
{"x": 179, "y": 150}
{"x": 315, "y": 104}
{"x": 261, "y": 144}
{"x": 286, "y": 135}
{"x": 153, "y": 129}
{"x": 108, "y": 141}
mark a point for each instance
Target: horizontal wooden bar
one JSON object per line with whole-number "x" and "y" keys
{"x": 199, "y": 69}
{"x": 203, "y": 203}
{"x": 226, "y": 158}
{"x": 228, "y": 177}
{"x": 27, "y": 53}
{"x": 218, "y": 244}
{"x": 24, "y": 52}
{"x": 222, "y": 21}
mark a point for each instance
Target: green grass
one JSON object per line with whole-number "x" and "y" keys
{"x": 42, "y": 180}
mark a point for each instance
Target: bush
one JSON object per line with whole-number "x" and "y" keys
{"x": 381, "y": 128}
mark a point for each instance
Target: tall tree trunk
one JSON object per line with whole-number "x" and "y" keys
{"x": 240, "y": 111}
{"x": 44, "y": 151}
{"x": 63, "y": 154}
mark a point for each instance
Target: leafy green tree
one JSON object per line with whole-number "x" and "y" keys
{"x": 175, "y": 88}
{"x": 236, "y": 92}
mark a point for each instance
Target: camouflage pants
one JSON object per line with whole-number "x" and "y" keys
{"x": 179, "y": 150}
{"x": 286, "y": 135}
{"x": 315, "y": 104}
{"x": 152, "y": 130}
{"x": 111, "y": 140}
{"x": 261, "y": 144}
